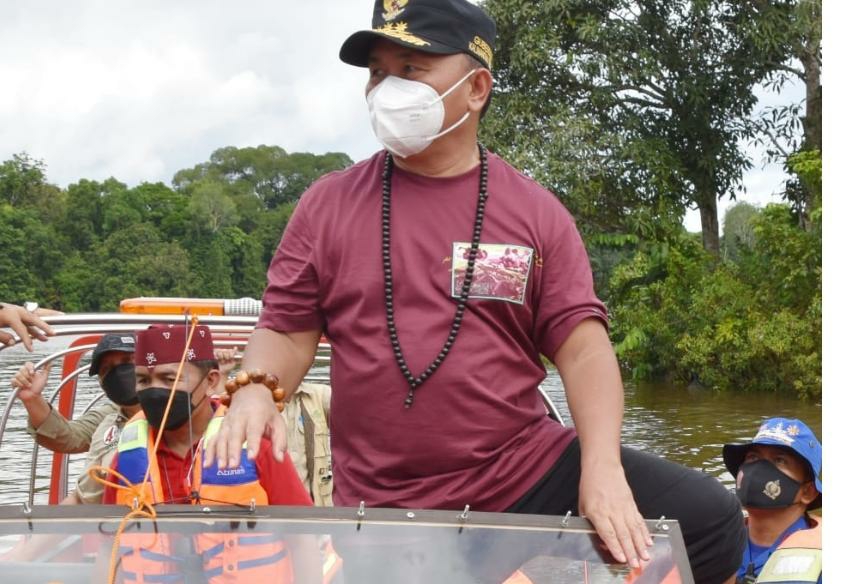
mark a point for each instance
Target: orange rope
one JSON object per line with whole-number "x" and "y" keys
{"x": 139, "y": 507}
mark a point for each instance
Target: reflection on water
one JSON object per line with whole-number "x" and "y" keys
{"x": 690, "y": 426}
{"x": 686, "y": 426}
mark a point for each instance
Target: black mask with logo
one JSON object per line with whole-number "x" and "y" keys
{"x": 154, "y": 401}
{"x": 764, "y": 486}
{"x": 119, "y": 384}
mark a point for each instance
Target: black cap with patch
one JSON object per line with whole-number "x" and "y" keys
{"x": 443, "y": 27}
{"x": 111, "y": 342}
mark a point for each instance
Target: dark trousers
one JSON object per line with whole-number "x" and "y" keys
{"x": 709, "y": 515}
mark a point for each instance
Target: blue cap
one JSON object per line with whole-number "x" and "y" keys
{"x": 789, "y": 433}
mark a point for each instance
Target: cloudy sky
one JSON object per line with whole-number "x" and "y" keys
{"x": 139, "y": 90}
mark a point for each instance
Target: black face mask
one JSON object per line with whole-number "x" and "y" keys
{"x": 119, "y": 385}
{"x": 154, "y": 400}
{"x": 764, "y": 486}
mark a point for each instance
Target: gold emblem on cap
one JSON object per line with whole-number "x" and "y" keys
{"x": 483, "y": 49}
{"x": 772, "y": 490}
{"x": 399, "y": 31}
{"x": 393, "y": 8}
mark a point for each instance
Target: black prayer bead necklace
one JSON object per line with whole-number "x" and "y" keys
{"x": 415, "y": 382}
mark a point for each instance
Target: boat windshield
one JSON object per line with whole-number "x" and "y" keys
{"x": 73, "y": 544}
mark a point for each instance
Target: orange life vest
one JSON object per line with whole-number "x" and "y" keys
{"x": 798, "y": 558}
{"x": 226, "y": 557}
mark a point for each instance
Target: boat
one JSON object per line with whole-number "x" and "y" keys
{"x": 393, "y": 545}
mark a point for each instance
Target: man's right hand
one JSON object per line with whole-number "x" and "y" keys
{"x": 30, "y": 382}
{"x": 252, "y": 414}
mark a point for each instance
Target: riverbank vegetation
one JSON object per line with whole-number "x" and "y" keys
{"x": 635, "y": 111}
{"x": 210, "y": 234}
{"x": 632, "y": 112}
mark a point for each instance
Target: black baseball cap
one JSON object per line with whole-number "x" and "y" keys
{"x": 111, "y": 342}
{"x": 443, "y": 27}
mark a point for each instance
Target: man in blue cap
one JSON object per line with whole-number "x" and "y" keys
{"x": 777, "y": 483}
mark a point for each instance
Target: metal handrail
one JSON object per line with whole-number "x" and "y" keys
{"x": 12, "y": 396}
{"x": 65, "y": 472}
{"x": 553, "y": 411}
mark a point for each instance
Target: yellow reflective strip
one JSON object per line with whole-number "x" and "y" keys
{"x": 792, "y": 565}
{"x": 134, "y": 435}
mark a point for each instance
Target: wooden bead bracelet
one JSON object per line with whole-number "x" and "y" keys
{"x": 243, "y": 378}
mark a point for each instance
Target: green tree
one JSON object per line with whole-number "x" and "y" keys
{"x": 135, "y": 261}
{"x": 738, "y": 229}
{"x": 268, "y": 173}
{"x": 32, "y": 253}
{"x": 747, "y": 325}
{"x": 22, "y": 181}
{"x": 83, "y": 219}
{"x": 162, "y": 206}
{"x": 211, "y": 207}
{"x": 671, "y": 81}
{"x": 789, "y": 128}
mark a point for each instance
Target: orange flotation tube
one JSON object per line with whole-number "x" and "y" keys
{"x": 199, "y": 306}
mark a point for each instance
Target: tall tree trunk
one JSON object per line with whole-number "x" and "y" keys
{"x": 708, "y": 205}
{"x": 809, "y": 54}
{"x": 813, "y": 120}
{"x": 808, "y": 51}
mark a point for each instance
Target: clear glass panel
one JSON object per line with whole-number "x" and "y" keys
{"x": 332, "y": 545}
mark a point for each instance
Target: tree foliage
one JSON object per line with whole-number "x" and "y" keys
{"x": 661, "y": 89}
{"x": 738, "y": 229}
{"x": 751, "y": 323}
{"x": 86, "y": 247}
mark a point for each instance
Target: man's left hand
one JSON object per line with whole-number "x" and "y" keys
{"x": 606, "y": 500}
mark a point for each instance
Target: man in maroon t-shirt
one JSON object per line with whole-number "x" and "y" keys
{"x": 405, "y": 261}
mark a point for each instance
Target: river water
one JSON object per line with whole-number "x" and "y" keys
{"x": 683, "y": 425}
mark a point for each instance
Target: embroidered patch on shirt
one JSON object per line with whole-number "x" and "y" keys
{"x": 112, "y": 436}
{"x": 501, "y": 271}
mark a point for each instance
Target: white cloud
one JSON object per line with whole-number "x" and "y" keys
{"x": 139, "y": 90}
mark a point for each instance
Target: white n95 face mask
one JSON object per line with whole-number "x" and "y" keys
{"x": 407, "y": 116}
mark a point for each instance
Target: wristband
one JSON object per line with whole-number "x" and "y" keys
{"x": 244, "y": 378}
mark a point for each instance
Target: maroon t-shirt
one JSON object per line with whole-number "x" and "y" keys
{"x": 477, "y": 432}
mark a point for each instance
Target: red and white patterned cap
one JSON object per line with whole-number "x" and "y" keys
{"x": 160, "y": 344}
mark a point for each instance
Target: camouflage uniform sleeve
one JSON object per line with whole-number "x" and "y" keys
{"x": 103, "y": 448}
{"x": 60, "y": 435}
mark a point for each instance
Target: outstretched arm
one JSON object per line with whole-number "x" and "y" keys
{"x": 594, "y": 392}
{"x": 25, "y": 324}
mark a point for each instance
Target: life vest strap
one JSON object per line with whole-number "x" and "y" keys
{"x": 156, "y": 578}
{"x": 243, "y": 540}
{"x": 249, "y": 564}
